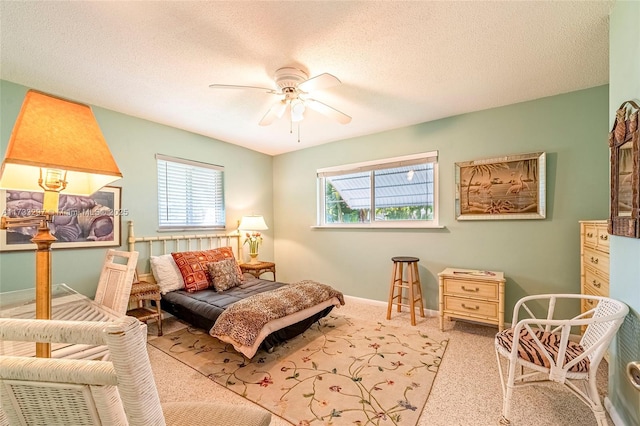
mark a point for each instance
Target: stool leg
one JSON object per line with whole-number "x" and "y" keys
{"x": 419, "y": 288}
{"x": 392, "y": 288}
{"x": 399, "y": 279}
{"x": 412, "y": 299}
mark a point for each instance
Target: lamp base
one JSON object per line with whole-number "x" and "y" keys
{"x": 254, "y": 259}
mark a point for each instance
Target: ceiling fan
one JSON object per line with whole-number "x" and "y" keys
{"x": 293, "y": 88}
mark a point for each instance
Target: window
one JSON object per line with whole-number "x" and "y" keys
{"x": 190, "y": 194}
{"x": 394, "y": 192}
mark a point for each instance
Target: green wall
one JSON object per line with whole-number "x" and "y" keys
{"x": 537, "y": 256}
{"x": 624, "y": 72}
{"x": 134, "y": 143}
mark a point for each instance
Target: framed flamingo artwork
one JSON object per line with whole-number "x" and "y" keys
{"x": 510, "y": 187}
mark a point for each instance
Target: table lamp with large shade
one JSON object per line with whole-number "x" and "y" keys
{"x": 56, "y": 145}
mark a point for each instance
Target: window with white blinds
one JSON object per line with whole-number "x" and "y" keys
{"x": 190, "y": 194}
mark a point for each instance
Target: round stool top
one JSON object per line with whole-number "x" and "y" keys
{"x": 405, "y": 259}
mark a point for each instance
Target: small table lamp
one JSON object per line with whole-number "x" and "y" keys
{"x": 55, "y": 145}
{"x": 250, "y": 225}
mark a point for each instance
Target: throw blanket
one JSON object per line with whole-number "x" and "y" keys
{"x": 243, "y": 320}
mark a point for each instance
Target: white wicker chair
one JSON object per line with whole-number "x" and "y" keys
{"x": 116, "y": 279}
{"x": 45, "y": 391}
{"x": 543, "y": 344}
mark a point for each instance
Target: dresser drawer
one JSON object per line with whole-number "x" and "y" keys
{"x": 591, "y": 235}
{"x": 595, "y": 283}
{"x": 597, "y": 260}
{"x": 471, "y": 288}
{"x": 603, "y": 238}
{"x": 471, "y": 307}
{"x": 588, "y": 304}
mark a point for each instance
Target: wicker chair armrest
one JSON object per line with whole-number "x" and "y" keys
{"x": 55, "y": 331}
{"x": 57, "y": 370}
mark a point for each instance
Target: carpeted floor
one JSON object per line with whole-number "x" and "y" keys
{"x": 466, "y": 391}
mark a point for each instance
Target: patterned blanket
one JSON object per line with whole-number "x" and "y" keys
{"x": 243, "y": 320}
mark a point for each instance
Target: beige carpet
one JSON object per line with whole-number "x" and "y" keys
{"x": 340, "y": 371}
{"x": 466, "y": 391}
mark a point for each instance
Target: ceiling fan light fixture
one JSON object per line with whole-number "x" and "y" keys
{"x": 297, "y": 110}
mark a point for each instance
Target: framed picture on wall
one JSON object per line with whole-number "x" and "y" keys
{"x": 510, "y": 187}
{"x": 90, "y": 221}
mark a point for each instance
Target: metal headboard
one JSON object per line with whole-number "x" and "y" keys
{"x": 163, "y": 244}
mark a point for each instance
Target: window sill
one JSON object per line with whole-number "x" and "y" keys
{"x": 371, "y": 227}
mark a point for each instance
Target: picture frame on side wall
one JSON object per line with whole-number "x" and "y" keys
{"x": 624, "y": 219}
{"x": 90, "y": 221}
{"x": 509, "y": 187}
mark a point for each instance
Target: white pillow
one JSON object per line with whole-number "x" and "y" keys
{"x": 166, "y": 273}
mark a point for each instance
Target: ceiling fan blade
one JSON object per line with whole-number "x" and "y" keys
{"x": 234, "y": 86}
{"x": 276, "y": 111}
{"x": 321, "y": 81}
{"x": 330, "y": 112}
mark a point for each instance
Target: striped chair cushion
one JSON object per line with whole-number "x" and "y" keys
{"x": 528, "y": 349}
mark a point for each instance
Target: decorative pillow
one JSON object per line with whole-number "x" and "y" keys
{"x": 224, "y": 253}
{"x": 224, "y": 274}
{"x": 166, "y": 273}
{"x": 193, "y": 266}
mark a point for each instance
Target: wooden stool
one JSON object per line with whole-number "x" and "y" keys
{"x": 412, "y": 284}
{"x": 141, "y": 293}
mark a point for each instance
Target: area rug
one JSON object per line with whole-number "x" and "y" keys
{"x": 341, "y": 371}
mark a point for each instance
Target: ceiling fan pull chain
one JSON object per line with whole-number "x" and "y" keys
{"x": 298, "y": 132}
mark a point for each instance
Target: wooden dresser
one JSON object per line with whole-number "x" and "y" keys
{"x": 594, "y": 259}
{"x": 472, "y": 295}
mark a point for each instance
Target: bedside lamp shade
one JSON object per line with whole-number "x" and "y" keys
{"x": 56, "y": 144}
{"x": 253, "y": 223}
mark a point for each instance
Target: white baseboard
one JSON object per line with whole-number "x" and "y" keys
{"x": 613, "y": 412}
{"x": 427, "y": 312}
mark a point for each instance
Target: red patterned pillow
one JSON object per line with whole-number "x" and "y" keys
{"x": 193, "y": 266}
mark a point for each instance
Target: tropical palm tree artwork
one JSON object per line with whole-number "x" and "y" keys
{"x": 500, "y": 187}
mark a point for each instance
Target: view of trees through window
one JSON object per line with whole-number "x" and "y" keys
{"x": 403, "y": 193}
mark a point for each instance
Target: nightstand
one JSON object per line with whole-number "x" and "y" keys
{"x": 257, "y": 269}
{"x": 472, "y": 295}
{"x": 142, "y": 293}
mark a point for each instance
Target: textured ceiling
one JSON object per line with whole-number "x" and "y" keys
{"x": 400, "y": 63}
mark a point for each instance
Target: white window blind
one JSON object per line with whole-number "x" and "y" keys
{"x": 190, "y": 194}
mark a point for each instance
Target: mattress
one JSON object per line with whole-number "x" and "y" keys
{"x": 202, "y": 308}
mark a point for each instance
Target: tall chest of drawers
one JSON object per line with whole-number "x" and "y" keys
{"x": 594, "y": 260}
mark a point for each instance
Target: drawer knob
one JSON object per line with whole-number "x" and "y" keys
{"x": 470, "y": 307}
{"x": 589, "y": 234}
{"x": 594, "y": 260}
{"x": 596, "y": 284}
{"x": 473, "y": 290}
{"x": 604, "y": 237}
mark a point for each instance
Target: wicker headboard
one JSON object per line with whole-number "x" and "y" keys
{"x": 163, "y": 244}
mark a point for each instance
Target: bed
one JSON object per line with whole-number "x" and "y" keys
{"x": 251, "y": 314}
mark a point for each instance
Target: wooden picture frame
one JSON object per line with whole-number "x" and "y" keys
{"x": 510, "y": 187}
{"x": 624, "y": 219}
{"x": 92, "y": 221}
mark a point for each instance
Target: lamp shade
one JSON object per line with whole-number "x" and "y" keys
{"x": 54, "y": 133}
{"x": 252, "y": 223}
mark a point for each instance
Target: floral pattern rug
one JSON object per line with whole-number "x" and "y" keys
{"x": 341, "y": 371}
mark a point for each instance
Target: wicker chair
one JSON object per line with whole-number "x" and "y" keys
{"x": 116, "y": 279}
{"x": 543, "y": 344}
{"x": 44, "y": 391}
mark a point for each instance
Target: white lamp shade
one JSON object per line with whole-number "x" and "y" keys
{"x": 253, "y": 223}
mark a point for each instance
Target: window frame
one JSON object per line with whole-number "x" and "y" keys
{"x": 371, "y": 166}
{"x": 220, "y": 203}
